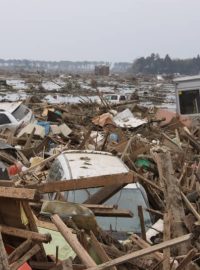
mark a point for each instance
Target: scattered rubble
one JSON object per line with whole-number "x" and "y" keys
{"x": 100, "y": 186}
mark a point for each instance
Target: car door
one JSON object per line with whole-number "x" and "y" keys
{"x": 5, "y": 122}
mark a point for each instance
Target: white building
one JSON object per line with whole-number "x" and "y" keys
{"x": 188, "y": 95}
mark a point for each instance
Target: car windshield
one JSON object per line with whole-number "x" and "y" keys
{"x": 20, "y": 112}
{"x": 114, "y": 97}
{"x": 122, "y": 98}
{"x": 4, "y": 119}
{"x": 56, "y": 172}
{"x": 126, "y": 198}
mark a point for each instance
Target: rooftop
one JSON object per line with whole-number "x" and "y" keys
{"x": 9, "y": 106}
{"x": 187, "y": 78}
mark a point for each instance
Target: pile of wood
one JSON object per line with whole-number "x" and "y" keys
{"x": 163, "y": 158}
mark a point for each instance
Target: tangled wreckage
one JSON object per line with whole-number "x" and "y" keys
{"x": 99, "y": 186}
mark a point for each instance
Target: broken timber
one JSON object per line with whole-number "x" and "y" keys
{"x": 25, "y": 234}
{"x": 73, "y": 241}
{"x": 89, "y": 182}
{"x": 143, "y": 252}
{"x": 19, "y": 193}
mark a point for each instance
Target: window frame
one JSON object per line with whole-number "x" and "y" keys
{"x": 178, "y": 91}
{"x": 5, "y": 115}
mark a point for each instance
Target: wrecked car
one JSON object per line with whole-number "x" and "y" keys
{"x": 14, "y": 115}
{"x": 81, "y": 164}
{"x": 113, "y": 98}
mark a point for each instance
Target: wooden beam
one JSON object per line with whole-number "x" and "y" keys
{"x": 99, "y": 206}
{"x": 34, "y": 250}
{"x": 167, "y": 236}
{"x": 99, "y": 250}
{"x": 186, "y": 260}
{"x": 4, "y": 265}
{"x": 41, "y": 256}
{"x": 25, "y": 234}
{"x": 143, "y": 244}
{"x": 73, "y": 242}
{"x": 19, "y": 251}
{"x": 172, "y": 195}
{"x": 89, "y": 182}
{"x": 112, "y": 213}
{"x": 15, "y": 140}
{"x": 104, "y": 194}
{"x": 142, "y": 224}
{"x": 155, "y": 212}
{"x": 29, "y": 140}
{"x": 42, "y": 265}
{"x": 19, "y": 193}
{"x": 6, "y": 183}
{"x": 148, "y": 182}
{"x": 193, "y": 141}
{"x": 190, "y": 207}
{"x": 143, "y": 252}
{"x": 42, "y": 163}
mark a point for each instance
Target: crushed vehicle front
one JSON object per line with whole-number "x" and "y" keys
{"x": 82, "y": 164}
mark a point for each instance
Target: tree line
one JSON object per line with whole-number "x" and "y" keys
{"x": 154, "y": 64}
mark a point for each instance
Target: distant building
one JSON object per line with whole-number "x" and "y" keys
{"x": 3, "y": 82}
{"x": 188, "y": 95}
{"x": 102, "y": 70}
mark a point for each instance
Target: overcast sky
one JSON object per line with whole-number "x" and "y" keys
{"x": 112, "y": 30}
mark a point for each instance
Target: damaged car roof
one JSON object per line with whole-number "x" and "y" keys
{"x": 9, "y": 106}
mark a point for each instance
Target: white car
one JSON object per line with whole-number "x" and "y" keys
{"x": 114, "y": 98}
{"x": 14, "y": 115}
{"x": 79, "y": 164}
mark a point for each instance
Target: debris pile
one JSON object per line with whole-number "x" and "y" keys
{"x": 100, "y": 186}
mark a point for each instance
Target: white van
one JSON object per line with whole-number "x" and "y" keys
{"x": 114, "y": 98}
{"x": 79, "y": 164}
{"x": 14, "y": 114}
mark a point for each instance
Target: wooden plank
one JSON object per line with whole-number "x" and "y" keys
{"x": 99, "y": 206}
{"x": 19, "y": 251}
{"x": 41, "y": 256}
{"x": 73, "y": 242}
{"x": 143, "y": 252}
{"x": 166, "y": 236}
{"x": 195, "y": 144}
{"x": 172, "y": 194}
{"x": 15, "y": 140}
{"x": 89, "y": 182}
{"x": 155, "y": 212}
{"x": 4, "y": 265}
{"x": 8, "y": 158}
{"x": 46, "y": 225}
{"x": 25, "y": 234}
{"x": 19, "y": 193}
{"x": 148, "y": 182}
{"x": 104, "y": 194}
{"x": 99, "y": 250}
{"x": 6, "y": 183}
{"x": 143, "y": 244}
{"x": 190, "y": 207}
{"x": 29, "y": 140}
{"x": 34, "y": 250}
{"x": 142, "y": 224}
{"x": 186, "y": 260}
{"x": 112, "y": 213}
{"x": 42, "y": 163}
{"x": 42, "y": 265}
